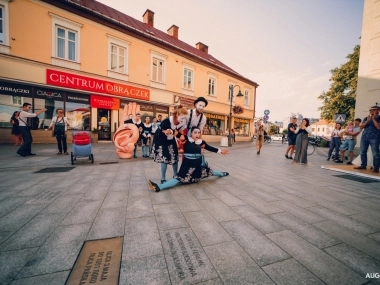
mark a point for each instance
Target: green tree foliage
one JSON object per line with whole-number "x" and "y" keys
{"x": 285, "y": 131}
{"x": 273, "y": 129}
{"x": 341, "y": 96}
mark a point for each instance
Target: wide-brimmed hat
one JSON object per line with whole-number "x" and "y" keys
{"x": 200, "y": 99}
{"x": 375, "y": 108}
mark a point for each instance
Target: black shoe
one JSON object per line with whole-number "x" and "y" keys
{"x": 23, "y": 155}
{"x": 375, "y": 171}
{"x": 349, "y": 163}
{"x": 290, "y": 157}
{"x": 286, "y": 156}
{"x": 135, "y": 156}
{"x": 31, "y": 154}
{"x": 338, "y": 161}
{"x": 153, "y": 186}
{"x": 258, "y": 152}
{"x": 163, "y": 181}
{"x": 328, "y": 159}
{"x": 225, "y": 174}
{"x": 360, "y": 167}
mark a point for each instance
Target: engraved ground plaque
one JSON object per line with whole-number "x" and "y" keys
{"x": 98, "y": 263}
{"x": 187, "y": 262}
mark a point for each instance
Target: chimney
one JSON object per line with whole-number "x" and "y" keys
{"x": 148, "y": 18}
{"x": 202, "y": 47}
{"x": 173, "y": 31}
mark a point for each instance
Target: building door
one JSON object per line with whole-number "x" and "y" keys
{"x": 104, "y": 124}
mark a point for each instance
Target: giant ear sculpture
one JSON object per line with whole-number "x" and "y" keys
{"x": 127, "y": 134}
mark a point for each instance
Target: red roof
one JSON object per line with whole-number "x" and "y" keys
{"x": 148, "y": 31}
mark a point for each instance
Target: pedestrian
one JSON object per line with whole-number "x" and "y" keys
{"x": 291, "y": 138}
{"x": 193, "y": 167}
{"x": 370, "y": 137}
{"x": 233, "y": 136}
{"x": 154, "y": 129}
{"x": 259, "y": 131}
{"x": 26, "y": 147}
{"x": 164, "y": 149}
{"x": 350, "y": 140}
{"x": 137, "y": 122}
{"x": 302, "y": 141}
{"x": 336, "y": 140}
{"x": 283, "y": 138}
{"x": 15, "y": 130}
{"x": 146, "y": 135}
{"x": 59, "y": 126}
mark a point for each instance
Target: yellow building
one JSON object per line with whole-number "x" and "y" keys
{"x": 91, "y": 60}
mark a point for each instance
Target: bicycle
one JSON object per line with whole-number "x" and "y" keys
{"x": 310, "y": 149}
{"x": 267, "y": 139}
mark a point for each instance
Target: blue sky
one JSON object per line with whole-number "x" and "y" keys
{"x": 287, "y": 46}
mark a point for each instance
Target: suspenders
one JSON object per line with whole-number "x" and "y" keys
{"x": 191, "y": 116}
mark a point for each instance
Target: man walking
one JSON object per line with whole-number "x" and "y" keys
{"x": 259, "y": 131}
{"x": 350, "y": 141}
{"x": 291, "y": 138}
{"x": 370, "y": 137}
{"x": 26, "y": 148}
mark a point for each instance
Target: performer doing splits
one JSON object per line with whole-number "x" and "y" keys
{"x": 193, "y": 167}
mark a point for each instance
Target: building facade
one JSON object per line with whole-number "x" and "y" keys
{"x": 91, "y": 60}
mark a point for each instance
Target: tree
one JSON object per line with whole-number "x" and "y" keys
{"x": 341, "y": 96}
{"x": 285, "y": 131}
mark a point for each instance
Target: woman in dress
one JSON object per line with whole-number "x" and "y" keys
{"x": 15, "y": 131}
{"x": 146, "y": 136}
{"x": 193, "y": 167}
{"x": 164, "y": 148}
{"x": 302, "y": 141}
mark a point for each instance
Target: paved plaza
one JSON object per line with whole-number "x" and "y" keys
{"x": 268, "y": 222}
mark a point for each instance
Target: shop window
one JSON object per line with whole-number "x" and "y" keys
{"x": 241, "y": 129}
{"x": 214, "y": 127}
{"x": 4, "y": 27}
{"x": 7, "y": 108}
{"x": 211, "y": 86}
{"x": 78, "y": 111}
{"x": 51, "y": 105}
{"x": 16, "y": 100}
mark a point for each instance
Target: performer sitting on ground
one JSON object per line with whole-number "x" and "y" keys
{"x": 193, "y": 168}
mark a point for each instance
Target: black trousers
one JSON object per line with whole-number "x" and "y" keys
{"x": 61, "y": 140}
{"x": 26, "y": 147}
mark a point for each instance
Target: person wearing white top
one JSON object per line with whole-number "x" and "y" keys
{"x": 302, "y": 141}
{"x": 336, "y": 141}
{"x": 26, "y": 148}
{"x": 61, "y": 137}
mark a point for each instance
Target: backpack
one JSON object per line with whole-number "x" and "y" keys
{"x": 59, "y": 128}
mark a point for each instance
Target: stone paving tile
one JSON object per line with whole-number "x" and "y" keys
{"x": 220, "y": 211}
{"x": 11, "y": 263}
{"x": 257, "y": 219}
{"x": 206, "y": 228}
{"x": 291, "y": 272}
{"x": 95, "y": 193}
{"x": 141, "y": 238}
{"x": 10, "y": 203}
{"x": 186, "y": 261}
{"x": 115, "y": 199}
{"x": 375, "y": 237}
{"x": 355, "y": 259}
{"x": 164, "y": 197}
{"x": 332, "y": 206}
{"x": 83, "y": 212}
{"x": 217, "y": 281}
{"x": 169, "y": 216}
{"x": 58, "y": 278}
{"x": 308, "y": 232}
{"x": 318, "y": 262}
{"x": 345, "y": 221}
{"x": 147, "y": 270}
{"x": 299, "y": 212}
{"x": 19, "y": 216}
{"x": 234, "y": 265}
{"x": 63, "y": 204}
{"x": 372, "y": 220}
{"x": 261, "y": 205}
{"x": 267, "y": 197}
{"x": 108, "y": 223}
{"x": 261, "y": 249}
{"x": 139, "y": 207}
{"x": 187, "y": 202}
{"x": 58, "y": 253}
{"x": 201, "y": 194}
{"x": 229, "y": 199}
{"x": 350, "y": 237}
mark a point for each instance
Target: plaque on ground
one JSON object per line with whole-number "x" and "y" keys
{"x": 98, "y": 263}
{"x": 187, "y": 262}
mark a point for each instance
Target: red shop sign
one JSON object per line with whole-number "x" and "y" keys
{"x": 103, "y": 102}
{"x": 64, "y": 79}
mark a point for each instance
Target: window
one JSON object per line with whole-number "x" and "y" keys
{"x": 4, "y": 27}
{"x": 246, "y": 97}
{"x": 230, "y": 91}
{"x": 318, "y": 129}
{"x": 66, "y": 42}
{"x": 66, "y": 45}
{"x": 158, "y": 70}
{"x": 118, "y": 58}
{"x": 188, "y": 79}
{"x": 16, "y": 100}
{"x": 211, "y": 86}
{"x": 323, "y": 129}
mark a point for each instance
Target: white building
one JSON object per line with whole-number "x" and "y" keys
{"x": 322, "y": 128}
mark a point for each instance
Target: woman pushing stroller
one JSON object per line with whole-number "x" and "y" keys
{"x": 193, "y": 167}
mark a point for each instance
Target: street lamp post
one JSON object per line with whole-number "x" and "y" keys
{"x": 230, "y": 119}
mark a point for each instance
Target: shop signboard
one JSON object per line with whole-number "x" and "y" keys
{"x": 214, "y": 116}
{"x": 69, "y": 80}
{"x": 240, "y": 120}
{"x": 162, "y": 109}
{"x": 78, "y": 98}
{"x": 43, "y": 93}
{"x": 187, "y": 103}
{"x": 103, "y": 102}
{"x": 15, "y": 89}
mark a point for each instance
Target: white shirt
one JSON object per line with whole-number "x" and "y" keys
{"x": 60, "y": 120}
{"x": 195, "y": 119}
{"x": 23, "y": 119}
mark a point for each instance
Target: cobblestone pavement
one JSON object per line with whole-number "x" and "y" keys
{"x": 268, "y": 222}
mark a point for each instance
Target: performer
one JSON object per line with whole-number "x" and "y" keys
{"x": 164, "y": 149}
{"x": 193, "y": 167}
{"x": 146, "y": 136}
{"x": 137, "y": 122}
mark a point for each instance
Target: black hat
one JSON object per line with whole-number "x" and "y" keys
{"x": 375, "y": 107}
{"x": 199, "y": 100}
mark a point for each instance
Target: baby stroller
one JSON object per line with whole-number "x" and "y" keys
{"x": 81, "y": 146}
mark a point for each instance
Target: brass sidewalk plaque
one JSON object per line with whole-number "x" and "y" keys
{"x": 98, "y": 263}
